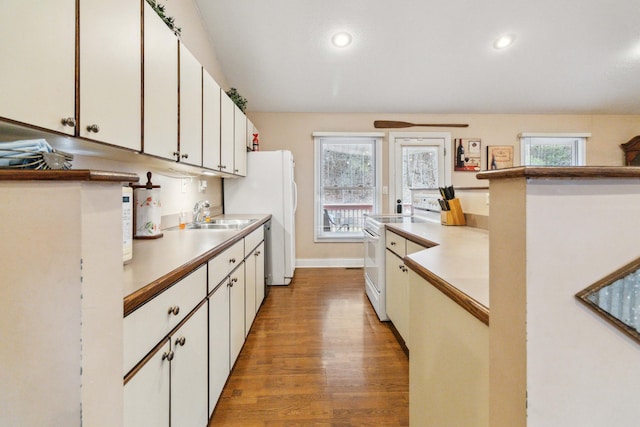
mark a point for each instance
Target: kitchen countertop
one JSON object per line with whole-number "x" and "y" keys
{"x": 458, "y": 264}
{"x": 158, "y": 263}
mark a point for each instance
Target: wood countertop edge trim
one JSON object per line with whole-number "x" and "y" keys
{"x": 67, "y": 175}
{"x": 472, "y": 306}
{"x": 410, "y": 236}
{"x": 153, "y": 289}
{"x": 590, "y": 172}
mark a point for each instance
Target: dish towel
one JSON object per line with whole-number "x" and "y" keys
{"x": 22, "y": 152}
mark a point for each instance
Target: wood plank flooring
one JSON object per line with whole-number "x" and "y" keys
{"x": 317, "y": 355}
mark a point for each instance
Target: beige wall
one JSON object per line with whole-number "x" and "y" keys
{"x": 292, "y": 131}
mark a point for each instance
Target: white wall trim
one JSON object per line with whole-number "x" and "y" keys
{"x": 329, "y": 262}
{"x": 554, "y": 135}
{"x": 350, "y": 134}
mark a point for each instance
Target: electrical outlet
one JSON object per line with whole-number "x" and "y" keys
{"x": 202, "y": 185}
{"x": 385, "y": 189}
{"x": 184, "y": 184}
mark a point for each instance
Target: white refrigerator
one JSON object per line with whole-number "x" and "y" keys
{"x": 269, "y": 188}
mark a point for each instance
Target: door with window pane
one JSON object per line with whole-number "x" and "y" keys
{"x": 346, "y": 185}
{"x": 419, "y": 165}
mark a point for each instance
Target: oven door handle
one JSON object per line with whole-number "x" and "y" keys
{"x": 371, "y": 235}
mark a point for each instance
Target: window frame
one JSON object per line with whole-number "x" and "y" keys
{"x": 319, "y": 235}
{"x": 579, "y": 145}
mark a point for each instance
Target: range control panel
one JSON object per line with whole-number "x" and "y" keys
{"x": 425, "y": 200}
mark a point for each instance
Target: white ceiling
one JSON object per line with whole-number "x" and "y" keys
{"x": 430, "y": 56}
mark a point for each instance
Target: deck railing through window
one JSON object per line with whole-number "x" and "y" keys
{"x": 345, "y": 218}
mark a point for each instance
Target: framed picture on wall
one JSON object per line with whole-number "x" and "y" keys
{"x": 467, "y": 154}
{"x": 499, "y": 157}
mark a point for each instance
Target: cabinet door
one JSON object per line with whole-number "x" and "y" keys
{"x": 240, "y": 142}
{"x": 190, "y": 108}
{"x": 236, "y": 313}
{"x": 227, "y": 108}
{"x": 160, "y": 87}
{"x": 250, "y": 292}
{"x": 250, "y": 131}
{"x": 260, "y": 280}
{"x": 218, "y": 342}
{"x": 188, "y": 372}
{"x": 146, "y": 395}
{"x": 393, "y": 277}
{"x": 210, "y": 122}
{"x": 110, "y": 72}
{"x": 37, "y": 75}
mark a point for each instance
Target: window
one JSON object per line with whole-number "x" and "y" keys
{"x": 347, "y": 184}
{"x": 553, "y": 149}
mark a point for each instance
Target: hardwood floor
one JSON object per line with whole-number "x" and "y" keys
{"x": 317, "y": 355}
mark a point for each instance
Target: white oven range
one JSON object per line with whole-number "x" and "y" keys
{"x": 424, "y": 208}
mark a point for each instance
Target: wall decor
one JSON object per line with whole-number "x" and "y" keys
{"x": 467, "y": 154}
{"x": 617, "y": 299}
{"x": 499, "y": 157}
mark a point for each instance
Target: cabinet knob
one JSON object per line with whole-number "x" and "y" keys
{"x": 93, "y": 128}
{"x": 236, "y": 170}
{"x": 257, "y": 253}
{"x": 185, "y": 156}
{"x": 393, "y": 243}
{"x": 232, "y": 260}
{"x": 69, "y": 121}
{"x": 180, "y": 341}
{"x": 174, "y": 310}
{"x": 167, "y": 355}
{"x": 223, "y": 166}
{"x": 176, "y": 154}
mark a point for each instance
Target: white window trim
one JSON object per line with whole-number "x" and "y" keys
{"x": 317, "y": 220}
{"x": 581, "y": 152}
{"x": 394, "y": 149}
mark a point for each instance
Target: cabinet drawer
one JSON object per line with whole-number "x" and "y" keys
{"x": 413, "y": 247}
{"x": 253, "y": 240}
{"x": 224, "y": 263}
{"x": 396, "y": 244}
{"x": 149, "y": 324}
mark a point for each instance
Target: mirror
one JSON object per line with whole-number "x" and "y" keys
{"x": 617, "y": 299}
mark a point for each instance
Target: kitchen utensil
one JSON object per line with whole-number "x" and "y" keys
{"x": 378, "y": 124}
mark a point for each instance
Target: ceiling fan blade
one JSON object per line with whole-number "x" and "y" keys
{"x": 379, "y": 124}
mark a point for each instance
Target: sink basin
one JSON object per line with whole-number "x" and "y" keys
{"x": 221, "y": 224}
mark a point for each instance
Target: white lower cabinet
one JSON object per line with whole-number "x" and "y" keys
{"x": 236, "y": 313}
{"x": 254, "y": 285}
{"x": 397, "y": 282}
{"x": 218, "y": 342}
{"x": 146, "y": 395}
{"x": 170, "y": 389}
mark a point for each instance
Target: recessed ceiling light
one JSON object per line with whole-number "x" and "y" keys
{"x": 504, "y": 41}
{"x": 342, "y": 39}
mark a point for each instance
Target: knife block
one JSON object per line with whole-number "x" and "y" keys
{"x": 454, "y": 216}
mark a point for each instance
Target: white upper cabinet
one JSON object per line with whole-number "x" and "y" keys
{"x": 240, "y": 142}
{"x": 227, "y": 141}
{"x": 37, "y": 70}
{"x": 190, "y": 108}
{"x": 160, "y": 87}
{"x": 210, "y": 122}
{"x": 110, "y": 71}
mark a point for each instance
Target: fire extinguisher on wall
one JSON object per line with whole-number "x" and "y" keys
{"x": 256, "y": 143}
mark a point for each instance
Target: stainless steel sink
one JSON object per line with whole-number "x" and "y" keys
{"x": 221, "y": 224}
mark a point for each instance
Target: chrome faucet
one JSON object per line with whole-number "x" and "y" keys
{"x": 201, "y": 211}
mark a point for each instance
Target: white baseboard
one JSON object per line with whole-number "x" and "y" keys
{"x": 329, "y": 262}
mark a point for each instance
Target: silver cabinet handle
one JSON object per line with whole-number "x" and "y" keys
{"x": 174, "y": 310}
{"x": 393, "y": 243}
{"x": 257, "y": 253}
{"x": 168, "y": 355}
{"x": 181, "y": 341}
{"x": 185, "y": 156}
{"x": 232, "y": 260}
{"x": 69, "y": 121}
{"x": 93, "y": 128}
